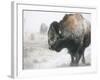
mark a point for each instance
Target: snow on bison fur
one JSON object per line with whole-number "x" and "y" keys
{"x": 72, "y": 32}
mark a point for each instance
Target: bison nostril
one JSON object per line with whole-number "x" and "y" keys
{"x": 50, "y": 47}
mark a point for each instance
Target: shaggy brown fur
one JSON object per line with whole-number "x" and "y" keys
{"x": 75, "y": 35}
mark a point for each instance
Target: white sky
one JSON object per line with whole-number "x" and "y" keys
{"x": 34, "y": 19}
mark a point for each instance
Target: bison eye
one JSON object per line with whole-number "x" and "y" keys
{"x": 52, "y": 38}
{"x": 57, "y": 38}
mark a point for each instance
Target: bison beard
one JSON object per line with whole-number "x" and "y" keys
{"x": 72, "y": 32}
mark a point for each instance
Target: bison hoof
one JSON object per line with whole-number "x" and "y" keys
{"x": 83, "y": 61}
{"x": 73, "y": 64}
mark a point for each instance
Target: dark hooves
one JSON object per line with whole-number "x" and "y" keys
{"x": 73, "y": 64}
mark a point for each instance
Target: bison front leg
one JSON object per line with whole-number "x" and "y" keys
{"x": 83, "y": 59}
{"x": 72, "y": 60}
{"x": 77, "y": 58}
{"x": 80, "y": 54}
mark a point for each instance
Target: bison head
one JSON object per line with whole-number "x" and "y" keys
{"x": 54, "y": 35}
{"x": 61, "y": 34}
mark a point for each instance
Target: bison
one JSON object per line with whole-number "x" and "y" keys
{"x": 72, "y": 32}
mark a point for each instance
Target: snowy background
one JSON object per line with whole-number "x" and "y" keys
{"x": 36, "y": 53}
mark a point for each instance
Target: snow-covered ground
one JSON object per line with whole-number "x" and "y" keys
{"x": 37, "y": 54}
